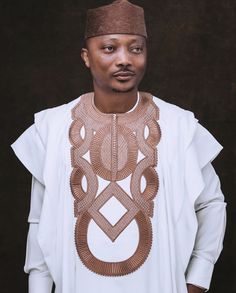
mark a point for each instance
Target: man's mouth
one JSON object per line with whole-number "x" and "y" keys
{"x": 124, "y": 75}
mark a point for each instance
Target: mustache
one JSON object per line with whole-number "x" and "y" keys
{"x": 124, "y": 70}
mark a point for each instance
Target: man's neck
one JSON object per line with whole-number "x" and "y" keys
{"x": 115, "y": 102}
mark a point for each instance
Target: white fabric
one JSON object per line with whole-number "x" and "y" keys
{"x": 40, "y": 280}
{"x": 189, "y": 210}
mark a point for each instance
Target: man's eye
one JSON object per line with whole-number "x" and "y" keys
{"x": 137, "y": 49}
{"x": 108, "y": 49}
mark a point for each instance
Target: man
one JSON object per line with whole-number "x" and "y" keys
{"x": 124, "y": 196}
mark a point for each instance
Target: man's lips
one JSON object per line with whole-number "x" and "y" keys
{"x": 124, "y": 75}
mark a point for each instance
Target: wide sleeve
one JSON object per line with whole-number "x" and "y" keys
{"x": 209, "y": 205}
{"x": 30, "y": 150}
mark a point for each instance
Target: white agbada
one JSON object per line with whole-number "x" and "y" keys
{"x": 188, "y": 222}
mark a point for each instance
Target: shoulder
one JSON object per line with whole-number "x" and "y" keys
{"x": 171, "y": 110}
{"x": 51, "y": 120}
{"x": 55, "y": 114}
{"x": 182, "y": 123}
{"x": 176, "y": 120}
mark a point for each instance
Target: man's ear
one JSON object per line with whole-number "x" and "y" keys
{"x": 84, "y": 56}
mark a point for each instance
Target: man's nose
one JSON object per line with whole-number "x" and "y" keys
{"x": 123, "y": 58}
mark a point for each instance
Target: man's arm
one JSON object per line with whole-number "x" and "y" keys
{"x": 40, "y": 280}
{"x": 30, "y": 150}
{"x": 211, "y": 216}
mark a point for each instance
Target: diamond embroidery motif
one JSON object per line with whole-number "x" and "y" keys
{"x": 113, "y": 190}
{"x": 113, "y": 210}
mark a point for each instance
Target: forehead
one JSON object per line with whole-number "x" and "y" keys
{"x": 118, "y": 38}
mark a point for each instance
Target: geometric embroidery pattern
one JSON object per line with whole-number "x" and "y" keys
{"x": 113, "y": 142}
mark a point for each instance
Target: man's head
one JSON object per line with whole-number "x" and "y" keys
{"x": 115, "y": 46}
{"x": 117, "y": 61}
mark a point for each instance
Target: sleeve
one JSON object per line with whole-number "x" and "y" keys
{"x": 40, "y": 280}
{"x": 210, "y": 209}
{"x": 30, "y": 150}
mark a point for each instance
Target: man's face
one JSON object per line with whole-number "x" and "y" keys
{"x": 117, "y": 61}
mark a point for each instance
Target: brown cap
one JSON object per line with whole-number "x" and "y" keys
{"x": 119, "y": 17}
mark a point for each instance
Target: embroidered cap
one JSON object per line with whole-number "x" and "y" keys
{"x": 119, "y": 17}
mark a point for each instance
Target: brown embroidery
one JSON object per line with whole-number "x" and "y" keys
{"x": 113, "y": 142}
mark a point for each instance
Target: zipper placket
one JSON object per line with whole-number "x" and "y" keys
{"x": 114, "y": 147}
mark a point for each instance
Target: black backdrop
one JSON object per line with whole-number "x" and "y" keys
{"x": 191, "y": 63}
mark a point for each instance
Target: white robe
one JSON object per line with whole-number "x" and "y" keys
{"x": 189, "y": 210}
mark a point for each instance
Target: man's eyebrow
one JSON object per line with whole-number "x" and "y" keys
{"x": 112, "y": 39}
{"x": 131, "y": 40}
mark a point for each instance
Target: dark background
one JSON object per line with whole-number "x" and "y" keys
{"x": 191, "y": 64}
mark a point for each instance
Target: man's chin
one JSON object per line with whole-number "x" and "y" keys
{"x": 123, "y": 90}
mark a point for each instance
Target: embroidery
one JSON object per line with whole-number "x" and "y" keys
{"x": 113, "y": 142}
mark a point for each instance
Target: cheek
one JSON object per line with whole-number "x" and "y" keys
{"x": 141, "y": 64}
{"x": 102, "y": 63}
